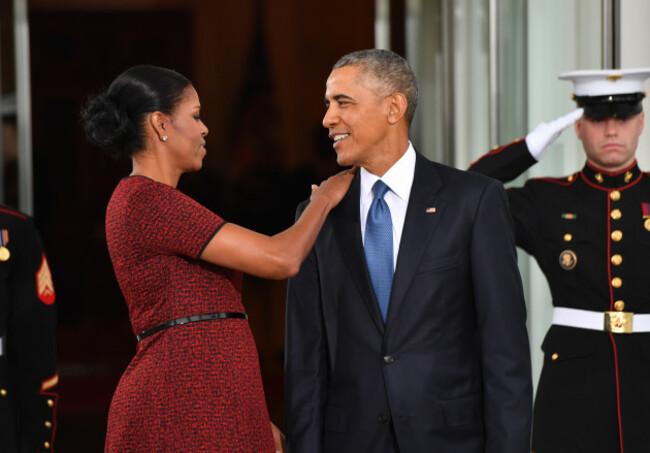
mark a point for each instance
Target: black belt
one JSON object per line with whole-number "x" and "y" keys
{"x": 180, "y": 321}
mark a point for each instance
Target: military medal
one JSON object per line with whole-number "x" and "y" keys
{"x": 646, "y": 215}
{"x": 4, "y": 240}
{"x": 568, "y": 260}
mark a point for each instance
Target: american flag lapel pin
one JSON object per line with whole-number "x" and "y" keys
{"x": 430, "y": 210}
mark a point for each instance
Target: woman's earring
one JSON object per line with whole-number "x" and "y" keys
{"x": 164, "y": 138}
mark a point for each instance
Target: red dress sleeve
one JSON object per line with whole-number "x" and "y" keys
{"x": 163, "y": 220}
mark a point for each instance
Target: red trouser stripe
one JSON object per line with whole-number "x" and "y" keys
{"x": 618, "y": 393}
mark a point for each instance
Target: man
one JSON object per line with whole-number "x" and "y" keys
{"x": 28, "y": 375}
{"x": 434, "y": 358}
{"x": 590, "y": 234}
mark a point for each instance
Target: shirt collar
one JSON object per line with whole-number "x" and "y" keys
{"x": 399, "y": 177}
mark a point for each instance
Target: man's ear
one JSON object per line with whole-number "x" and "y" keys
{"x": 158, "y": 121}
{"x": 577, "y": 126}
{"x": 397, "y": 107}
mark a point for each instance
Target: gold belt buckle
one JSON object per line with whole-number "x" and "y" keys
{"x": 618, "y": 321}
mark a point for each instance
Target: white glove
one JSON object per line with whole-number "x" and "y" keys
{"x": 544, "y": 134}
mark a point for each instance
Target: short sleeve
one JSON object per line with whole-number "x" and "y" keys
{"x": 163, "y": 220}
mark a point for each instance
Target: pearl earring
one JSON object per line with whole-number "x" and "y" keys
{"x": 164, "y": 138}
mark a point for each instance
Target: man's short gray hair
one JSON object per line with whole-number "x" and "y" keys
{"x": 389, "y": 74}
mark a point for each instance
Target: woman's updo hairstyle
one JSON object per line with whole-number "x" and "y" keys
{"x": 115, "y": 120}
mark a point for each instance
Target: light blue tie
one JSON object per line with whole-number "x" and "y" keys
{"x": 378, "y": 245}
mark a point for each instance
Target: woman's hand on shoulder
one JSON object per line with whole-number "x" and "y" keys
{"x": 278, "y": 256}
{"x": 335, "y": 187}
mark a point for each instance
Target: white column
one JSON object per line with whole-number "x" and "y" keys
{"x": 23, "y": 108}
{"x": 635, "y": 53}
{"x": 563, "y": 35}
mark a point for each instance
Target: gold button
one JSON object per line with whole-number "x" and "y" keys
{"x": 570, "y": 178}
{"x": 617, "y": 235}
{"x": 617, "y": 282}
{"x": 615, "y": 195}
{"x": 599, "y": 178}
{"x": 46, "y": 445}
{"x": 616, "y": 214}
{"x": 50, "y": 403}
{"x": 3, "y": 392}
{"x": 619, "y": 305}
{"x": 554, "y": 356}
{"x": 628, "y": 176}
{"x": 617, "y": 259}
{"x": 48, "y": 424}
{"x": 568, "y": 237}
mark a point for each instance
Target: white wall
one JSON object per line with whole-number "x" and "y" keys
{"x": 635, "y": 53}
{"x": 563, "y": 35}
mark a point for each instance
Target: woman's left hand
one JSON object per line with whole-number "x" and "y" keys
{"x": 278, "y": 439}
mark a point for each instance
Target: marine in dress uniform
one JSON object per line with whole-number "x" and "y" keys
{"x": 28, "y": 374}
{"x": 590, "y": 234}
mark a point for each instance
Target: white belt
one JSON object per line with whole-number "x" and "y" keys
{"x": 608, "y": 321}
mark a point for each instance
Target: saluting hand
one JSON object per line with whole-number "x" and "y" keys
{"x": 540, "y": 138}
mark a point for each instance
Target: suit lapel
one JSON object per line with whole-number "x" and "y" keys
{"x": 420, "y": 222}
{"x": 347, "y": 229}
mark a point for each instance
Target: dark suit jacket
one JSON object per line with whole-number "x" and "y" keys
{"x": 450, "y": 370}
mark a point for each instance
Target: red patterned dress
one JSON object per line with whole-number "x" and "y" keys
{"x": 194, "y": 387}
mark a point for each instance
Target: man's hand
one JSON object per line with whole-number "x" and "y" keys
{"x": 544, "y": 134}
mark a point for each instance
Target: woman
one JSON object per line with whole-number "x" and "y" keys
{"x": 194, "y": 383}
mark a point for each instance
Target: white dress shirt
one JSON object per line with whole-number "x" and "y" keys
{"x": 400, "y": 179}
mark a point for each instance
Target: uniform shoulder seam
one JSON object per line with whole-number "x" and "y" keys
{"x": 561, "y": 181}
{"x": 13, "y": 213}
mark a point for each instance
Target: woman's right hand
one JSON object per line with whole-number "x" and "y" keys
{"x": 335, "y": 187}
{"x": 278, "y": 256}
